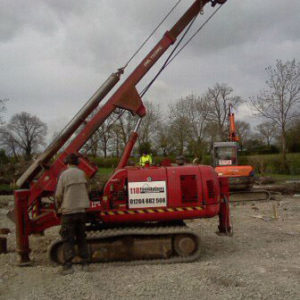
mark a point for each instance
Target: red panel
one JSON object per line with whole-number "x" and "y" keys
{"x": 210, "y": 181}
{"x": 146, "y": 174}
{"x": 189, "y": 191}
{"x": 174, "y": 184}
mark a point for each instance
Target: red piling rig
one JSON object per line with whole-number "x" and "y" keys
{"x": 126, "y": 97}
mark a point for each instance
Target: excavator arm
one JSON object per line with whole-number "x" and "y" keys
{"x": 233, "y": 136}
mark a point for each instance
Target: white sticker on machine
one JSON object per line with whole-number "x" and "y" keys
{"x": 147, "y": 194}
{"x": 223, "y": 162}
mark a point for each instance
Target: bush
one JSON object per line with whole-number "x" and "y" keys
{"x": 272, "y": 163}
{"x": 108, "y": 162}
{"x": 294, "y": 163}
{"x": 5, "y": 189}
{"x": 207, "y": 160}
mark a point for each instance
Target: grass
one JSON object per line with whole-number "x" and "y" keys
{"x": 105, "y": 171}
{"x": 283, "y": 177}
{"x": 5, "y": 189}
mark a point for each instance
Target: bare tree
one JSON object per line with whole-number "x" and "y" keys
{"x": 2, "y": 109}
{"x": 92, "y": 145}
{"x": 150, "y": 124}
{"x": 293, "y": 137}
{"x": 180, "y": 126}
{"x": 179, "y": 133}
{"x": 100, "y": 140}
{"x": 279, "y": 102}
{"x": 104, "y": 134}
{"x": 218, "y": 99}
{"x": 24, "y": 133}
{"x": 162, "y": 139}
{"x": 126, "y": 125}
{"x": 266, "y": 132}
{"x": 116, "y": 140}
{"x": 198, "y": 111}
{"x": 9, "y": 143}
{"x": 189, "y": 121}
{"x": 243, "y": 131}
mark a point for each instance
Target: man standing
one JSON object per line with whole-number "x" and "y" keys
{"x": 145, "y": 159}
{"x": 180, "y": 160}
{"x": 72, "y": 200}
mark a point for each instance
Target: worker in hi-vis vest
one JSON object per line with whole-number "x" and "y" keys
{"x": 145, "y": 159}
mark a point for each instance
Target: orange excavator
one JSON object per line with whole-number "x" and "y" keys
{"x": 225, "y": 161}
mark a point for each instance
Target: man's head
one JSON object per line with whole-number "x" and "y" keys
{"x": 72, "y": 159}
{"x": 180, "y": 160}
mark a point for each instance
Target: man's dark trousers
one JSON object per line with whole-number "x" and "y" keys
{"x": 73, "y": 232}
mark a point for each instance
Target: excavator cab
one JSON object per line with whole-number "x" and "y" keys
{"x": 241, "y": 178}
{"x": 225, "y": 154}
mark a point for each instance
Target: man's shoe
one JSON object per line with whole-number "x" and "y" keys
{"x": 66, "y": 270}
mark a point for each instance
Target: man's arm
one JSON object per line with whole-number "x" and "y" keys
{"x": 59, "y": 193}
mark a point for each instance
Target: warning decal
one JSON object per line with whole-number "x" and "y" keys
{"x": 147, "y": 194}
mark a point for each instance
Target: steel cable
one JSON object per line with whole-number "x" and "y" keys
{"x": 152, "y": 33}
{"x": 198, "y": 30}
{"x": 171, "y": 56}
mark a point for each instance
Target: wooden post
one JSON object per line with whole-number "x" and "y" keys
{"x": 3, "y": 245}
{"x": 275, "y": 211}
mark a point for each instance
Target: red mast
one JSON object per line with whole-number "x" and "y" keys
{"x": 126, "y": 97}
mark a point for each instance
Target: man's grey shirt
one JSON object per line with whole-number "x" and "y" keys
{"x": 71, "y": 191}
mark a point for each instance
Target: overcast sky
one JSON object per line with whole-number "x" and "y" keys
{"x": 54, "y": 54}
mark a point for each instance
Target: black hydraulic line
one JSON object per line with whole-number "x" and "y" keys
{"x": 171, "y": 56}
{"x": 168, "y": 58}
{"x": 198, "y": 30}
{"x": 151, "y": 34}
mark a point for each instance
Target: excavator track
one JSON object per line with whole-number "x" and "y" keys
{"x": 248, "y": 196}
{"x": 137, "y": 245}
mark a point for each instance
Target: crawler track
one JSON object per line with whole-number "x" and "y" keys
{"x": 139, "y": 245}
{"x": 253, "y": 195}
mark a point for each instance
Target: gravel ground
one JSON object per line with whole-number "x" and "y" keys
{"x": 261, "y": 261}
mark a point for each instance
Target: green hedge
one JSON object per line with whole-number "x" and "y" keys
{"x": 5, "y": 189}
{"x": 109, "y": 162}
{"x": 263, "y": 163}
{"x": 271, "y": 163}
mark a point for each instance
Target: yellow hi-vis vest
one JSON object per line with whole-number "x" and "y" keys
{"x": 145, "y": 159}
